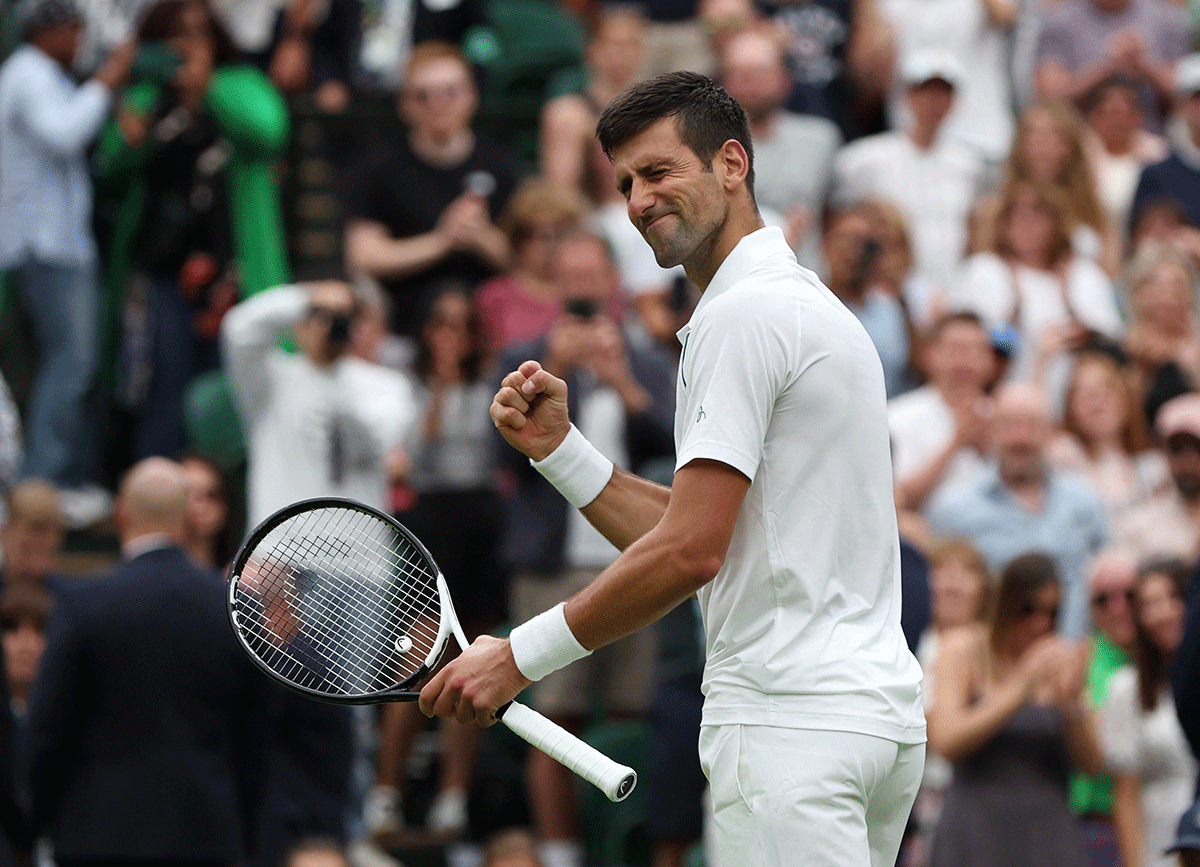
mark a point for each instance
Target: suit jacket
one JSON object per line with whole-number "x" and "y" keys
{"x": 138, "y": 715}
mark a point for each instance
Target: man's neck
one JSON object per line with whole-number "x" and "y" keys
{"x": 704, "y": 262}
{"x": 923, "y": 138}
{"x": 1029, "y": 488}
{"x": 443, "y": 152}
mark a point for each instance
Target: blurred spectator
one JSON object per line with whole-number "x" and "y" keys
{"x": 570, "y": 155}
{"x": 317, "y": 852}
{"x": 1185, "y": 687}
{"x": 188, "y": 162}
{"x": 895, "y": 268}
{"x": 313, "y": 50}
{"x": 1163, "y": 343}
{"x": 851, "y": 249}
{"x": 23, "y": 612}
{"x": 411, "y": 243}
{"x": 1143, "y": 742}
{"x": 520, "y": 304}
{"x": 451, "y": 468}
{"x": 1105, "y": 437}
{"x": 962, "y": 591}
{"x": 32, "y": 536}
{"x": 1022, "y": 504}
{"x": 622, "y": 400}
{"x": 1186, "y": 845}
{"x": 1177, "y": 178}
{"x": 47, "y": 123}
{"x": 1082, "y": 41}
{"x": 1110, "y": 582}
{"x": 15, "y": 835}
{"x": 931, "y": 178}
{"x": 213, "y": 530}
{"x": 139, "y": 712}
{"x": 1008, "y": 710}
{"x": 1050, "y": 150}
{"x": 939, "y": 431}
{"x": 1118, "y": 145}
{"x": 976, "y": 33}
{"x": 319, "y": 423}
{"x": 514, "y": 847}
{"x": 1031, "y": 279}
{"x": 752, "y": 67}
{"x": 840, "y": 56}
{"x": 390, "y": 30}
{"x": 10, "y": 441}
{"x": 1169, "y": 524}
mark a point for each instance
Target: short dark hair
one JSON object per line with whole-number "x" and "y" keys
{"x": 706, "y": 116}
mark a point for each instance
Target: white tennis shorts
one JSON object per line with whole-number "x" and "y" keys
{"x": 783, "y": 797}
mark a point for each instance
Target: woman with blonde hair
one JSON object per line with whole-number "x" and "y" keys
{"x": 1032, "y": 279}
{"x": 1163, "y": 342}
{"x": 1105, "y": 437}
{"x": 1050, "y": 148}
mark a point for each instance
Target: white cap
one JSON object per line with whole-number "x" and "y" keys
{"x": 1187, "y": 75}
{"x": 927, "y": 64}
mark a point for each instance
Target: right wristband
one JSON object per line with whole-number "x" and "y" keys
{"x": 545, "y": 643}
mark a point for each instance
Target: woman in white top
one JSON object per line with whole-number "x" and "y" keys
{"x": 1155, "y": 773}
{"x": 1105, "y": 437}
{"x": 1032, "y": 279}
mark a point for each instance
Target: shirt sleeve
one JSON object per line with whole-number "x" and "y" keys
{"x": 1120, "y": 732}
{"x": 735, "y": 362}
{"x": 67, "y": 126}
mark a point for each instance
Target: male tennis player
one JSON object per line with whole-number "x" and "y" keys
{"x": 780, "y": 517}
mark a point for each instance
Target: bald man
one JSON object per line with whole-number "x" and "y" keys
{"x": 1018, "y": 503}
{"x": 142, "y": 700}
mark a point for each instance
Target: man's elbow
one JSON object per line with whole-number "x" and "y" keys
{"x": 694, "y": 566}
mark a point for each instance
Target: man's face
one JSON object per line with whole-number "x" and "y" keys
{"x": 322, "y": 321}
{"x": 439, "y": 98}
{"x": 930, "y": 102}
{"x": 1112, "y": 592}
{"x": 31, "y": 547}
{"x": 584, "y": 271}
{"x": 961, "y": 357}
{"x": 674, "y": 199}
{"x": 1020, "y": 430}
{"x": 1183, "y": 457}
{"x": 844, "y": 243}
{"x": 24, "y": 643}
{"x": 753, "y": 73}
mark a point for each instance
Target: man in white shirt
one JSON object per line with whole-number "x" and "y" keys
{"x": 318, "y": 423}
{"x": 929, "y": 176}
{"x": 939, "y": 431}
{"x": 47, "y": 123}
{"x": 780, "y": 517}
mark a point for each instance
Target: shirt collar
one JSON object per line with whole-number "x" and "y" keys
{"x": 145, "y": 544}
{"x": 759, "y": 245}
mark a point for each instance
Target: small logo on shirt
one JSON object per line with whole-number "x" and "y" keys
{"x": 700, "y": 415}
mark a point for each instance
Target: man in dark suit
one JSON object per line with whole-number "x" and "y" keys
{"x": 142, "y": 704}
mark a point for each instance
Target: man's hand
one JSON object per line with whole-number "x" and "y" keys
{"x": 114, "y": 72}
{"x": 530, "y": 410}
{"x": 476, "y": 684}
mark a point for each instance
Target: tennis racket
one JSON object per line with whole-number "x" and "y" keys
{"x": 341, "y": 603}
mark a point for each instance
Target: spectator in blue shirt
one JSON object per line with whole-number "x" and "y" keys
{"x": 1020, "y": 504}
{"x": 47, "y": 122}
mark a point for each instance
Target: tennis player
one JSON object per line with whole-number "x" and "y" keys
{"x": 780, "y": 518}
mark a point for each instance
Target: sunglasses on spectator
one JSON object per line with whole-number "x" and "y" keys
{"x": 1102, "y": 598}
{"x": 1029, "y": 609}
{"x": 1177, "y": 445}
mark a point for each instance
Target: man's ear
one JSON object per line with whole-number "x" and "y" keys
{"x": 733, "y": 162}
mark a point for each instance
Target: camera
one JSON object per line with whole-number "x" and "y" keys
{"x": 584, "y": 308}
{"x": 339, "y": 331}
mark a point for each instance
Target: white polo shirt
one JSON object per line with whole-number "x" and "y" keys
{"x": 778, "y": 380}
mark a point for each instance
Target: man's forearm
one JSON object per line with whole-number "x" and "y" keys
{"x": 627, "y": 509}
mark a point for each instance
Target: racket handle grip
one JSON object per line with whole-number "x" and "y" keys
{"x": 613, "y": 779}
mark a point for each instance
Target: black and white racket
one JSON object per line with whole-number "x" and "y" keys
{"x": 341, "y": 603}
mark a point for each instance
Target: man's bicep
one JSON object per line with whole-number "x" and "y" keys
{"x": 706, "y": 499}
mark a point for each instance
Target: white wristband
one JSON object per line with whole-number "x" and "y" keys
{"x": 576, "y": 468}
{"x": 545, "y": 643}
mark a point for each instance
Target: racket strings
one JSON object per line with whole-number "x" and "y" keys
{"x": 340, "y": 601}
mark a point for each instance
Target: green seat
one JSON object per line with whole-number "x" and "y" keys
{"x": 213, "y": 424}
{"x": 529, "y": 44}
{"x": 615, "y": 834}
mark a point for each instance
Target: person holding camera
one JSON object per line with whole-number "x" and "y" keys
{"x": 320, "y": 422}
{"x": 622, "y": 397}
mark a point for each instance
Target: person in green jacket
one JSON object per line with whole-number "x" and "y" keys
{"x": 194, "y": 221}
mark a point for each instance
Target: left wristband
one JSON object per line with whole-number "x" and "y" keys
{"x": 576, "y": 468}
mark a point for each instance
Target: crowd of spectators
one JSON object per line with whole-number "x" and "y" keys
{"x": 1006, "y": 194}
